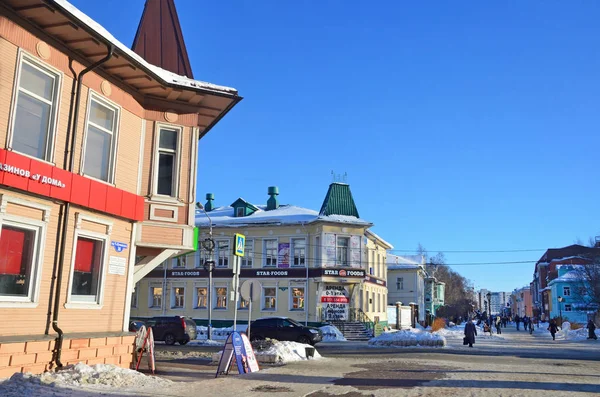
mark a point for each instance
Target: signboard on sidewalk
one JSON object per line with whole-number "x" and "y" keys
{"x": 237, "y": 347}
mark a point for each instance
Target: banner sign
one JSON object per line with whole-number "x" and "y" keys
{"x": 355, "y": 251}
{"x": 283, "y": 255}
{"x": 237, "y": 347}
{"x": 335, "y": 301}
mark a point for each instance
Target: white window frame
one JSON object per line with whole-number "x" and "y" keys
{"x": 151, "y": 296}
{"x": 263, "y": 296}
{"x": 175, "y": 260}
{"x": 196, "y": 286}
{"x": 215, "y": 300}
{"x": 40, "y": 227}
{"x": 54, "y": 117}
{"x": 568, "y": 307}
{"x": 293, "y": 253}
{"x": 566, "y": 291}
{"x": 291, "y": 296}
{"x": 174, "y": 296}
{"x": 399, "y": 283}
{"x": 248, "y": 249}
{"x": 72, "y": 301}
{"x": 264, "y": 261}
{"x": 218, "y": 251}
{"x": 337, "y": 259}
{"x": 176, "y": 163}
{"x": 94, "y": 96}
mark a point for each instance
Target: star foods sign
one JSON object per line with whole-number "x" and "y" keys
{"x": 344, "y": 272}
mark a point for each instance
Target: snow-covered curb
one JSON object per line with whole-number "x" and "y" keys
{"x": 332, "y": 334}
{"x": 409, "y": 338}
{"x": 282, "y": 352}
{"x": 98, "y": 377}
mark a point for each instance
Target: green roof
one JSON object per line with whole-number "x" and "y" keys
{"x": 339, "y": 201}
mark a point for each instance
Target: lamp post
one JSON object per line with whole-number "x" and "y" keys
{"x": 560, "y": 301}
{"x": 489, "y": 296}
{"x": 209, "y": 265}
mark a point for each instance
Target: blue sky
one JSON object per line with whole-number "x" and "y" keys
{"x": 462, "y": 126}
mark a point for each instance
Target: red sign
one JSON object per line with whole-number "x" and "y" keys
{"x": 24, "y": 173}
{"x": 334, "y": 299}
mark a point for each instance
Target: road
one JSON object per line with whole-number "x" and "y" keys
{"x": 516, "y": 363}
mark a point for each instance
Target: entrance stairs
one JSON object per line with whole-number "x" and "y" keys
{"x": 353, "y": 330}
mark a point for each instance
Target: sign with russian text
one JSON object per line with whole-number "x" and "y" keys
{"x": 335, "y": 301}
{"x": 283, "y": 255}
{"x": 237, "y": 347}
{"x": 117, "y": 265}
{"x": 119, "y": 247}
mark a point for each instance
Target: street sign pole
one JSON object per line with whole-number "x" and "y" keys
{"x": 238, "y": 253}
{"x": 250, "y": 310}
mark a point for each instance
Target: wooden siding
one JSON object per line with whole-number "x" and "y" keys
{"x": 162, "y": 235}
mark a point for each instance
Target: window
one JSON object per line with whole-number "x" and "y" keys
{"x": 87, "y": 272}
{"x": 100, "y": 142}
{"x": 269, "y": 298}
{"x": 371, "y": 262}
{"x": 243, "y": 304}
{"x": 223, "y": 253}
{"x": 318, "y": 251}
{"x": 240, "y": 211}
{"x": 270, "y": 253}
{"x": 179, "y": 262}
{"x": 18, "y": 262}
{"x": 166, "y": 183}
{"x": 342, "y": 251}
{"x": 248, "y": 257}
{"x": 299, "y": 251}
{"x": 156, "y": 294}
{"x": 134, "y": 297}
{"x": 568, "y": 308}
{"x": 178, "y": 297}
{"x": 35, "y": 106}
{"x": 297, "y": 298}
{"x": 566, "y": 291}
{"x": 202, "y": 256}
{"x": 400, "y": 283}
{"x": 221, "y": 298}
{"x": 201, "y": 298}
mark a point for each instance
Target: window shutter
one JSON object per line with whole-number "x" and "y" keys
{"x": 85, "y": 255}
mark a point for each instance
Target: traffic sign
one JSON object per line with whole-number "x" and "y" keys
{"x": 240, "y": 242}
{"x": 250, "y": 290}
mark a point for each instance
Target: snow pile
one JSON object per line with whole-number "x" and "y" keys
{"x": 452, "y": 333}
{"x": 101, "y": 376}
{"x": 218, "y": 333}
{"x": 206, "y": 342}
{"x": 574, "y": 334}
{"x": 408, "y": 338}
{"x": 286, "y": 352}
{"x": 332, "y": 334}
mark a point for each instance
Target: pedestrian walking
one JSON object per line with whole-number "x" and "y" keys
{"x": 470, "y": 333}
{"x": 517, "y": 321}
{"x": 498, "y": 325}
{"x": 525, "y": 323}
{"x": 591, "y": 330}
{"x": 553, "y": 328}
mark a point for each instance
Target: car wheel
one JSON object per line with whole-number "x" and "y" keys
{"x": 183, "y": 342}
{"x": 170, "y": 339}
{"x": 304, "y": 339}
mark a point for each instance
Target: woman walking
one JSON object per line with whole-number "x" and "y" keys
{"x": 553, "y": 328}
{"x": 470, "y": 333}
{"x": 591, "y": 330}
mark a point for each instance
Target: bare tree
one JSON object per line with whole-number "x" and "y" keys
{"x": 588, "y": 286}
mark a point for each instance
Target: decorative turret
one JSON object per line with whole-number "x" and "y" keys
{"x": 272, "y": 202}
{"x": 209, "y": 202}
{"x": 339, "y": 201}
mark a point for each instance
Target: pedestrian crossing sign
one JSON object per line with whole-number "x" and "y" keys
{"x": 240, "y": 242}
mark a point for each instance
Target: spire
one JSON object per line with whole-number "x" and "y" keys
{"x": 159, "y": 39}
{"x": 339, "y": 201}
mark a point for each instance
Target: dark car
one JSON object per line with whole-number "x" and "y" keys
{"x": 173, "y": 329}
{"x": 283, "y": 328}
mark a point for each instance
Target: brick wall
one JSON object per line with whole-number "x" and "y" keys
{"x": 35, "y": 356}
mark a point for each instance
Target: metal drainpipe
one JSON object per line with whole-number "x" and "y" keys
{"x": 65, "y": 219}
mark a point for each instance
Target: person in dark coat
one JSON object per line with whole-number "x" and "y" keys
{"x": 470, "y": 332}
{"x": 591, "y": 330}
{"x": 553, "y": 328}
{"x": 498, "y": 325}
{"x": 517, "y": 321}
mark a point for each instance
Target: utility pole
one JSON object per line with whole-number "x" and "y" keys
{"x": 209, "y": 265}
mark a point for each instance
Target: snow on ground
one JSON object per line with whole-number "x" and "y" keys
{"x": 332, "y": 334}
{"x": 218, "y": 333}
{"x": 98, "y": 377}
{"x": 409, "y": 338}
{"x": 288, "y": 351}
{"x": 206, "y": 342}
{"x": 572, "y": 334}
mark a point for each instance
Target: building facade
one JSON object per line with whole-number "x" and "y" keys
{"x": 406, "y": 282}
{"x": 97, "y": 167}
{"x": 569, "y": 285}
{"x": 311, "y": 266}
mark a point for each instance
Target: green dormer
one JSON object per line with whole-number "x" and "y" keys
{"x": 339, "y": 201}
{"x": 243, "y": 208}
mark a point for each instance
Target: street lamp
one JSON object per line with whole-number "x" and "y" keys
{"x": 560, "y": 301}
{"x": 209, "y": 265}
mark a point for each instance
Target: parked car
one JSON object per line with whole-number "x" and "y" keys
{"x": 173, "y": 329}
{"x": 135, "y": 325}
{"x": 284, "y": 328}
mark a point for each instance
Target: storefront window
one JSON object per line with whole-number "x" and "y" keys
{"x": 201, "y": 300}
{"x": 88, "y": 270}
{"x": 221, "y": 298}
{"x": 269, "y": 298}
{"x": 299, "y": 251}
{"x": 156, "y": 294}
{"x": 178, "y": 296}
{"x": 16, "y": 260}
{"x": 243, "y": 304}
{"x": 297, "y": 298}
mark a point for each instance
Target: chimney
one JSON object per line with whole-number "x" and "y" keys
{"x": 209, "y": 202}
{"x": 272, "y": 203}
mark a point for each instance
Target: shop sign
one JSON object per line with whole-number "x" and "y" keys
{"x": 374, "y": 280}
{"x": 283, "y": 255}
{"x": 335, "y": 301}
{"x": 344, "y": 272}
{"x": 43, "y": 179}
{"x": 271, "y": 273}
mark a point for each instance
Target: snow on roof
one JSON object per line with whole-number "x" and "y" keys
{"x": 165, "y": 75}
{"x": 284, "y": 215}
{"x": 405, "y": 260}
{"x": 568, "y": 277}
